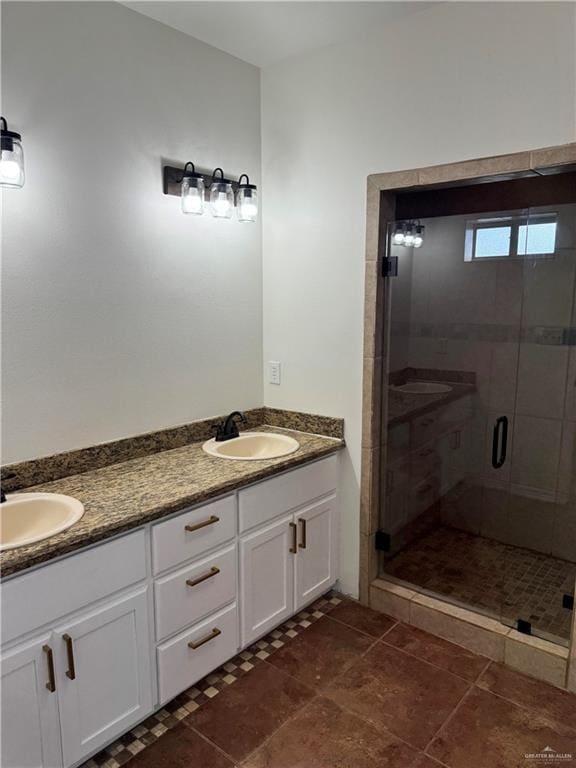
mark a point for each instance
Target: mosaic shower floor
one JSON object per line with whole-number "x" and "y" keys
{"x": 505, "y": 581}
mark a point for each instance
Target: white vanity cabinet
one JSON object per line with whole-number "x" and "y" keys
{"x": 29, "y": 710}
{"x": 86, "y": 677}
{"x": 288, "y": 562}
{"x": 93, "y": 643}
{"x": 104, "y": 680}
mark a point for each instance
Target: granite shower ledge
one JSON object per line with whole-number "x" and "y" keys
{"x": 126, "y": 495}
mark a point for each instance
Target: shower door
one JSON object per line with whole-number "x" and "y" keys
{"x": 477, "y": 500}
{"x": 540, "y": 572}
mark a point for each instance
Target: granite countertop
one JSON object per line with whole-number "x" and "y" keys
{"x": 404, "y": 407}
{"x": 126, "y": 495}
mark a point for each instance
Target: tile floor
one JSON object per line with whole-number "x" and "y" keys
{"x": 468, "y": 569}
{"x": 351, "y": 688}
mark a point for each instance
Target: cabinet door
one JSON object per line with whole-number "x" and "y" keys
{"x": 315, "y": 563}
{"x": 30, "y": 725}
{"x": 267, "y": 578}
{"x": 104, "y": 676}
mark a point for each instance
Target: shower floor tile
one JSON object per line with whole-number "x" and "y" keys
{"x": 505, "y": 581}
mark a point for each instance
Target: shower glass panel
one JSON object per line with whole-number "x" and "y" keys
{"x": 477, "y": 488}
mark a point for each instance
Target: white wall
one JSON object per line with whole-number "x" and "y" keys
{"x": 455, "y": 82}
{"x": 121, "y": 315}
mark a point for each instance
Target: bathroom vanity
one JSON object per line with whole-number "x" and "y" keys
{"x": 94, "y": 642}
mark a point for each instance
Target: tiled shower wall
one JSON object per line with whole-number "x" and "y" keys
{"x": 512, "y": 323}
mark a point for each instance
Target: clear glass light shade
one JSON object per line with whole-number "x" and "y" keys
{"x": 247, "y": 204}
{"x": 409, "y": 238}
{"x": 221, "y": 200}
{"x": 11, "y": 163}
{"x": 192, "y": 199}
{"x": 398, "y": 237}
{"x": 418, "y": 236}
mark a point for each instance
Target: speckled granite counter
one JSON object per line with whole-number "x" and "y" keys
{"x": 404, "y": 407}
{"x": 122, "y": 496}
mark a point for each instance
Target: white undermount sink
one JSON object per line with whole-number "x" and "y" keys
{"x": 423, "y": 388}
{"x": 26, "y": 518}
{"x": 252, "y": 446}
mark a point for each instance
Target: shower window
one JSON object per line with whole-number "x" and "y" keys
{"x": 510, "y": 237}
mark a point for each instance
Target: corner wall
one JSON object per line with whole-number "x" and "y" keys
{"x": 454, "y": 82}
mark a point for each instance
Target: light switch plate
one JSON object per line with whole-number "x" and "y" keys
{"x": 274, "y": 372}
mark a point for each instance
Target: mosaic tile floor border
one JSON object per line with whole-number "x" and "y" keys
{"x": 150, "y": 730}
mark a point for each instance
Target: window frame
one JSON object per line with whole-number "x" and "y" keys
{"x": 513, "y": 221}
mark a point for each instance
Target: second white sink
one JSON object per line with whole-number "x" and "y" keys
{"x": 252, "y": 446}
{"x": 26, "y": 518}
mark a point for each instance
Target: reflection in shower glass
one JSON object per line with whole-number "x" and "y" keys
{"x": 478, "y": 490}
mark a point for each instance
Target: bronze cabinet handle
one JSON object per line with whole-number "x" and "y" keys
{"x": 302, "y": 544}
{"x": 215, "y": 632}
{"x": 71, "y": 671}
{"x": 212, "y": 572}
{"x": 51, "y": 684}
{"x": 294, "y": 547}
{"x": 211, "y": 520}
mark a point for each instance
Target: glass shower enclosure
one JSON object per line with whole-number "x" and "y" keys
{"x": 478, "y": 485}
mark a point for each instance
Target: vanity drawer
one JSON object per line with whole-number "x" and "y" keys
{"x": 180, "y": 666}
{"x": 193, "y": 533}
{"x": 46, "y": 594}
{"x": 185, "y": 597}
{"x": 424, "y": 428}
{"x": 272, "y": 498}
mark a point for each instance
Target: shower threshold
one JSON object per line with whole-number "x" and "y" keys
{"x": 496, "y": 580}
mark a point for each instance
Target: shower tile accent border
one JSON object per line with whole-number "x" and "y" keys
{"x": 380, "y": 209}
{"x": 531, "y": 655}
{"x": 489, "y": 332}
{"x": 48, "y": 468}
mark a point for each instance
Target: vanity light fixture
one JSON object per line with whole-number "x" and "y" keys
{"x": 196, "y": 189}
{"x": 221, "y": 196}
{"x": 11, "y": 157}
{"x": 246, "y": 200}
{"x": 409, "y": 234}
{"x": 192, "y": 194}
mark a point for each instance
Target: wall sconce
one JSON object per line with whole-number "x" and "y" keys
{"x": 222, "y": 194}
{"x": 11, "y": 157}
{"x": 409, "y": 234}
{"x": 192, "y": 191}
{"x": 246, "y": 200}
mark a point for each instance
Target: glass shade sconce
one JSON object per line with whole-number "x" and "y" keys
{"x": 11, "y": 158}
{"x": 200, "y": 192}
{"x": 221, "y": 196}
{"x": 409, "y": 234}
{"x": 192, "y": 191}
{"x": 246, "y": 200}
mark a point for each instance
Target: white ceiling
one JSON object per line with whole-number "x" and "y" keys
{"x": 262, "y": 31}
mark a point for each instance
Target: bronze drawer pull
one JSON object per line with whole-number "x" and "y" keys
{"x": 212, "y": 572}
{"x": 215, "y": 632}
{"x": 51, "y": 684}
{"x": 294, "y": 547}
{"x": 211, "y": 520}
{"x": 302, "y": 544}
{"x": 71, "y": 671}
